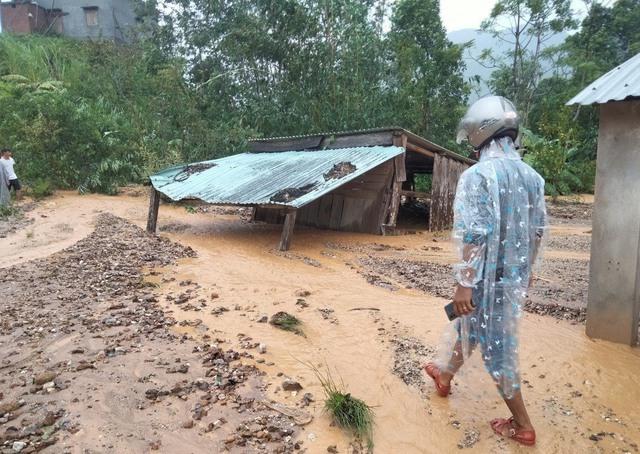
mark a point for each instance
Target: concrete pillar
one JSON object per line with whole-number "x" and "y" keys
{"x": 614, "y": 276}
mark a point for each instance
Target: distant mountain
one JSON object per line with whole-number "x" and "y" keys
{"x": 483, "y": 40}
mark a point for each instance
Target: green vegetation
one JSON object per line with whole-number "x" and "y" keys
{"x": 560, "y": 165}
{"x": 40, "y": 189}
{"x": 203, "y": 77}
{"x": 7, "y": 211}
{"x": 287, "y": 322}
{"x": 92, "y": 115}
{"x": 351, "y": 414}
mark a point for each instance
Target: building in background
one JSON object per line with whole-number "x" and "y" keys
{"x": 81, "y": 19}
{"x": 613, "y": 306}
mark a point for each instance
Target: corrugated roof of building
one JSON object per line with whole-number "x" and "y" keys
{"x": 622, "y": 82}
{"x": 287, "y": 178}
{"x": 421, "y": 141}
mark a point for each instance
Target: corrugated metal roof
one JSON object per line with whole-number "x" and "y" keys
{"x": 421, "y": 141}
{"x": 288, "y": 178}
{"x": 622, "y": 82}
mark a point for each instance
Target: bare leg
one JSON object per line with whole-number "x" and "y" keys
{"x": 519, "y": 411}
{"x": 18, "y": 195}
{"x": 455, "y": 363}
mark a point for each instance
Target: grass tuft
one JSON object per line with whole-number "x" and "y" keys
{"x": 287, "y": 322}
{"x": 351, "y": 414}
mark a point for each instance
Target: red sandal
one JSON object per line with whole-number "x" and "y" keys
{"x": 434, "y": 372}
{"x": 504, "y": 428}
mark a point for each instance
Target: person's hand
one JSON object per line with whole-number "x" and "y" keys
{"x": 462, "y": 300}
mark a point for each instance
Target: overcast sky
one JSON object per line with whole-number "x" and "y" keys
{"x": 459, "y": 14}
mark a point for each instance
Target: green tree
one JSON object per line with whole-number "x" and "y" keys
{"x": 300, "y": 66}
{"x": 525, "y": 26}
{"x": 426, "y": 72}
{"x": 607, "y": 37}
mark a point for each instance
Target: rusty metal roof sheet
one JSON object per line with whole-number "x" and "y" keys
{"x": 622, "y": 82}
{"x": 288, "y": 178}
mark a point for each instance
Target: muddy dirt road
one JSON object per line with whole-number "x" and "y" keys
{"x": 116, "y": 341}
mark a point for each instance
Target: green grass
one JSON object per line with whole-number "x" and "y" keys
{"x": 287, "y": 322}
{"x": 351, "y": 414}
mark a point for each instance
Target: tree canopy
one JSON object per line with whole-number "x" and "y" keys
{"x": 201, "y": 77}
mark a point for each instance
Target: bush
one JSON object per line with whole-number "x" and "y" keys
{"x": 40, "y": 189}
{"x": 561, "y": 167}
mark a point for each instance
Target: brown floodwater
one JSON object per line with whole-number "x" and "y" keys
{"x": 582, "y": 393}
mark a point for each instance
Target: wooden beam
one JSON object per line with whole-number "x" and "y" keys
{"x": 424, "y": 151}
{"x": 287, "y": 230}
{"x": 154, "y": 206}
{"x": 383, "y": 138}
{"x": 285, "y": 144}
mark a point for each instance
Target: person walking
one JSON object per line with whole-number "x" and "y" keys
{"x": 7, "y": 163}
{"x": 499, "y": 223}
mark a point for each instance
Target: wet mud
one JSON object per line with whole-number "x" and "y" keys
{"x": 114, "y": 340}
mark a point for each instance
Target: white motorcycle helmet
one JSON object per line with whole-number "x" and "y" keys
{"x": 489, "y": 118}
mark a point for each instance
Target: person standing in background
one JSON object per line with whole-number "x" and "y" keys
{"x": 7, "y": 163}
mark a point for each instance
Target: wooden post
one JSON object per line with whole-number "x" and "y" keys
{"x": 287, "y": 230}
{"x": 446, "y": 173}
{"x": 399, "y": 176}
{"x": 154, "y": 206}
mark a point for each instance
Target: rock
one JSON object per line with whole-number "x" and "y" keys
{"x": 50, "y": 419}
{"x": 110, "y": 321}
{"x": 291, "y": 385}
{"x": 60, "y": 384}
{"x": 306, "y": 399}
{"x": 111, "y": 352}
{"x": 45, "y": 377}
{"x": 218, "y": 423}
{"x": 332, "y": 449}
{"x": 262, "y": 348}
{"x": 8, "y": 407}
{"x": 199, "y": 412}
{"x": 183, "y": 369}
{"x": 18, "y": 446}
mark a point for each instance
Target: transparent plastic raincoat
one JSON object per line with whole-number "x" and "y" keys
{"x": 499, "y": 222}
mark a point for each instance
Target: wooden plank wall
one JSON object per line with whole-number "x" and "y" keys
{"x": 358, "y": 206}
{"x": 446, "y": 173}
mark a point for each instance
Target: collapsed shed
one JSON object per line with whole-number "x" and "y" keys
{"x": 351, "y": 181}
{"x": 613, "y": 305}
